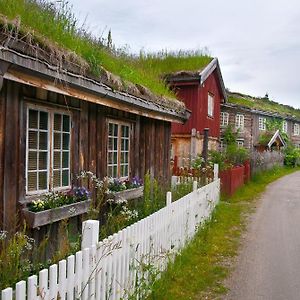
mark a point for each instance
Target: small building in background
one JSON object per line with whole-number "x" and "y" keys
{"x": 202, "y": 92}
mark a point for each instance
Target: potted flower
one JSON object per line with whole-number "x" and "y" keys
{"x": 55, "y": 206}
{"x": 127, "y": 189}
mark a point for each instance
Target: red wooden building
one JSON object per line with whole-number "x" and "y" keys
{"x": 202, "y": 92}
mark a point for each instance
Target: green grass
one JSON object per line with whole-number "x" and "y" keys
{"x": 56, "y": 26}
{"x": 199, "y": 271}
{"x": 263, "y": 104}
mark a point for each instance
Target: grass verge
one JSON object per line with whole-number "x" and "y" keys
{"x": 199, "y": 271}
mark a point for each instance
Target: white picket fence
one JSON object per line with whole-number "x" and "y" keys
{"x": 115, "y": 267}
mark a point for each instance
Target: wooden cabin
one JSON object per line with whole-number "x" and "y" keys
{"x": 202, "y": 92}
{"x": 56, "y": 121}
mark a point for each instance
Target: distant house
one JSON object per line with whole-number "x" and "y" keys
{"x": 202, "y": 92}
{"x": 56, "y": 121}
{"x": 251, "y": 125}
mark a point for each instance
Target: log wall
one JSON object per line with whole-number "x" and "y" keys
{"x": 149, "y": 150}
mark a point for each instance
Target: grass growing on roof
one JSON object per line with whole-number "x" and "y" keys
{"x": 198, "y": 272}
{"x": 263, "y": 104}
{"x": 58, "y": 24}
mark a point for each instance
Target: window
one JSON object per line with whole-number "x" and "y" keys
{"x": 239, "y": 121}
{"x": 210, "y": 105}
{"x": 296, "y": 129}
{"x": 262, "y": 123}
{"x": 47, "y": 150}
{"x": 224, "y": 118}
{"x": 240, "y": 143}
{"x": 118, "y": 149}
{"x": 285, "y": 126}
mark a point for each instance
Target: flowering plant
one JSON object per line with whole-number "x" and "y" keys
{"x": 58, "y": 199}
{"x": 117, "y": 185}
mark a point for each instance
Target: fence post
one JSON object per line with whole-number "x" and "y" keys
{"x": 174, "y": 180}
{"x": 90, "y": 233}
{"x": 216, "y": 172}
{"x": 195, "y": 185}
{"x": 169, "y": 198}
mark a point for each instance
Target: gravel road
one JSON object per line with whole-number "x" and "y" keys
{"x": 268, "y": 266}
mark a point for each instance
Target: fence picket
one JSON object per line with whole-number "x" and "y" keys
{"x": 53, "y": 286}
{"x": 21, "y": 290}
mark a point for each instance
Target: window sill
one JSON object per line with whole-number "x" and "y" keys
{"x": 38, "y": 219}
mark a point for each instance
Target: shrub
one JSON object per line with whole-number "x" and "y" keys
{"x": 291, "y": 156}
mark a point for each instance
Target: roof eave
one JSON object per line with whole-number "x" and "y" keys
{"x": 79, "y": 82}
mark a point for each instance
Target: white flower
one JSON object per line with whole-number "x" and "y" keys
{"x": 3, "y": 234}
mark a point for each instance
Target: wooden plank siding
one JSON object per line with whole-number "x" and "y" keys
{"x": 149, "y": 145}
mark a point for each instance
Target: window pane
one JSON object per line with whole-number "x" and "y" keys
{"x": 32, "y": 160}
{"x": 65, "y": 177}
{"x": 32, "y": 139}
{"x": 57, "y": 122}
{"x": 57, "y": 140}
{"x": 56, "y": 160}
{"x": 43, "y": 160}
{"x": 110, "y": 144}
{"x": 56, "y": 179}
{"x": 115, "y": 171}
{"x": 32, "y": 181}
{"x": 43, "y": 120}
{"x": 125, "y": 131}
{"x": 66, "y": 123}
{"x": 110, "y": 171}
{"x": 43, "y": 141}
{"x": 65, "y": 160}
{"x": 66, "y": 141}
{"x": 115, "y": 142}
{"x": 33, "y": 119}
{"x": 115, "y": 130}
{"x": 42, "y": 180}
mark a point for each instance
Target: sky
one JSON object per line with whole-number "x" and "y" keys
{"x": 257, "y": 42}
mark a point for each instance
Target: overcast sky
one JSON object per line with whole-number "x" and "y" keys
{"x": 257, "y": 42}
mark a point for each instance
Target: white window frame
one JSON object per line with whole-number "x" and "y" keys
{"x": 50, "y": 149}
{"x": 285, "y": 126}
{"x": 240, "y": 143}
{"x": 119, "y": 150}
{"x": 210, "y": 105}
{"x": 239, "y": 121}
{"x": 296, "y": 129}
{"x": 224, "y": 119}
{"x": 262, "y": 123}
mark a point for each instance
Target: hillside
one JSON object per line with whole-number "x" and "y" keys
{"x": 263, "y": 104}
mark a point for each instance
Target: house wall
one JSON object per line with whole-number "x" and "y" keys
{"x": 149, "y": 150}
{"x": 195, "y": 97}
{"x": 246, "y": 133}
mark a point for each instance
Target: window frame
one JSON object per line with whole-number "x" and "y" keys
{"x": 210, "y": 105}
{"x": 262, "y": 123}
{"x": 285, "y": 126}
{"x": 240, "y": 121}
{"x": 296, "y": 131}
{"x": 50, "y": 147}
{"x": 240, "y": 143}
{"x": 224, "y": 121}
{"x": 120, "y": 123}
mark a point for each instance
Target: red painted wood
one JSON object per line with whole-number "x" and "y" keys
{"x": 232, "y": 179}
{"x": 195, "y": 98}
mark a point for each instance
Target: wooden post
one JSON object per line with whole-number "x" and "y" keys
{"x": 193, "y": 153}
{"x": 169, "y": 198}
{"x": 216, "y": 172}
{"x": 195, "y": 185}
{"x": 205, "y": 145}
{"x": 90, "y": 234}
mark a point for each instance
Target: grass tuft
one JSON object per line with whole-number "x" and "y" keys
{"x": 199, "y": 271}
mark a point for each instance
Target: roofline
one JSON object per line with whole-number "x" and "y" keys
{"x": 257, "y": 111}
{"x": 202, "y": 75}
{"x": 277, "y": 134}
{"x": 90, "y": 86}
{"x": 208, "y": 70}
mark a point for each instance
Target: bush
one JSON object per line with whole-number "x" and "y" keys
{"x": 291, "y": 156}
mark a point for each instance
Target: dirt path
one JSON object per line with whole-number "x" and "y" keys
{"x": 268, "y": 266}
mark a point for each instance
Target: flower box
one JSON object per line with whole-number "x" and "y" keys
{"x": 37, "y": 219}
{"x": 128, "y": 194}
